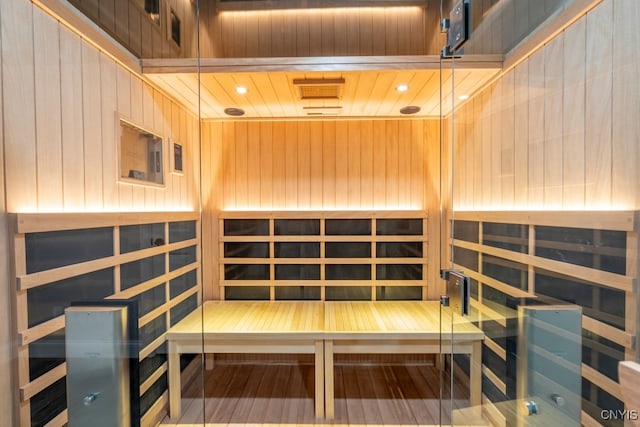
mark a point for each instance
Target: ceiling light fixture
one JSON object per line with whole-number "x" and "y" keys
{"x": 241, "y": 90}
{"x": 402, "y": 88}
{"x": 463, "y": 97}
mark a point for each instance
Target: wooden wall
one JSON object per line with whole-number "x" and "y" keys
{"x": 59, "y": 137}
{"x": 561, "y": 129}
{"x": 130, "y": 24}
{"x": 315, "y": 32}
{"x": 319, "y": 165}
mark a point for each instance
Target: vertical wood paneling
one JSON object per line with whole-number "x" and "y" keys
{"x": 279, "y": 176}
{"x": 626, "y": 108}
{"x": 304, "y": 166}
{"x": 109, "y": 105}
{"x": 485, "y": 165}
{"x": 19, "y": 120}
{"x": 521, "y": 136}
{"x": 266, "y": 165}
{"x": 92, "y": 132}
{"x": 392, "y": 174}
{"x": 324, "y": 165}
{"x": 598, "y": 104}
{"x": 553, "y": 108}
{"x": 536, "y": 130}
{"x": 352, "y": 142}
{"x": 291, "y": 165}
{"x": 329, "y": 165}
{"x": 366, "y": 165}
{"x": 573, "y": 116}
{"x": 342, "y": 165}
{"x": 508, "y": 138}
{"x": 320, "y": 32}
{"x": 496, "y": 143}
{"x": 73, "y": 167}
{"x": 48, "y": 115}
{"x": 317, "y": 164}
{"x": 379, "y": 159}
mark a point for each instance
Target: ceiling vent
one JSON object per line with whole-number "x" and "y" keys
{"x": 319, "y": 88}
{"x": 323, "y": 111}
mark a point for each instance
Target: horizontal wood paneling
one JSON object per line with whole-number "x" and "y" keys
{"x": 575, "y": 124}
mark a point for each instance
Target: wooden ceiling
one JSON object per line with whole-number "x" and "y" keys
{"x": 366, "y": 92}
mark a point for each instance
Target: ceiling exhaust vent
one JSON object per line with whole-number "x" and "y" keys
{"x": 319, "y": 88}
{"x": 323, "y": 111}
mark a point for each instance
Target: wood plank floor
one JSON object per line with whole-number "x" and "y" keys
{"x": 282, "y": 395}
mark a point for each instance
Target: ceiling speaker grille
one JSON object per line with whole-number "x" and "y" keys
{"x": 319, "y": 88}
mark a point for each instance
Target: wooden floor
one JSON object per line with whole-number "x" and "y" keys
{"x": 282, "y": 394}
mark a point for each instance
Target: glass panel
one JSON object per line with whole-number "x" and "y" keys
{"x": 347, "y": 227}
{"x": 140, "y": 271}
{"x": 297, "y": 249}
{"x": 466, "y": 257}
{"x": 513, "y": 237}
{"x": 136, "y": 237}
{"x": 183, "y": 283}
{"x": 182, "y": 230}
{"x": 246, "y": 249}
{"x": 297, "y": 272}
{"x": 152, "y": 362}
{"x": 182, "y": 257}
{"x": 297, "y": 227}
{"x": 399, "y": 227}
{"x": 297, "y": 292}
{"x": 398, "y": 293}
{"x": 466, "y": 230}
{"x": 246, "y": 227}
{"x": 47, "y": 404}
{"x": 347, "y": 293}
{"x": 49, "y": 301}
{"x": 399, "y": 272}
{"x": 152, "y": 330}
{"x": 509, "y": 272}
{"x": 347, "y": 250}
{"x": 604, "y": 304}
{"x": 347, "y": 272}
{"x": 399, "y": 249}
{"x": 45, "y": 354}
{"x": 151, "y": 299}
{"x": 181, "y": 310}
{"x": 246, "y": 272}
{"x": 246, "y": 293}
{"x": 153, "y": 394}
{"x": 141, "y": 154}
{"x": 600, "y": 249}
{"x": 54, "y": 249}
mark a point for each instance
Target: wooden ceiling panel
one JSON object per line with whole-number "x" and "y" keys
{"x": 366, "y": 93}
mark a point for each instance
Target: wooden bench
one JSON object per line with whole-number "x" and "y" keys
{"x": 322, "y": 329}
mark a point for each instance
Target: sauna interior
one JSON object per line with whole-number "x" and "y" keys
{"x": 246, "y": 212}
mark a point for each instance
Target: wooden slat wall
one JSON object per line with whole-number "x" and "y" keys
{"x": 130, "y": 24}
{"x": 575, "y": 130}
{"x": 61, "y": 129}
{"x": 58, "y": 146}
{"x": 315, "y": 32}
{"x": 319, "y": 165}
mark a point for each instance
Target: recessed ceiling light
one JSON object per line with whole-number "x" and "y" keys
{"x": 411, "y": 109}
{"x": 233, "y": 111}
{"x": 241, "y": 90}
{"x": 463, "y": 97}
{"x": 402, "y": 88}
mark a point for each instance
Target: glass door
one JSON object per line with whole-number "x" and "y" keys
{"x": 525, "y": 219}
